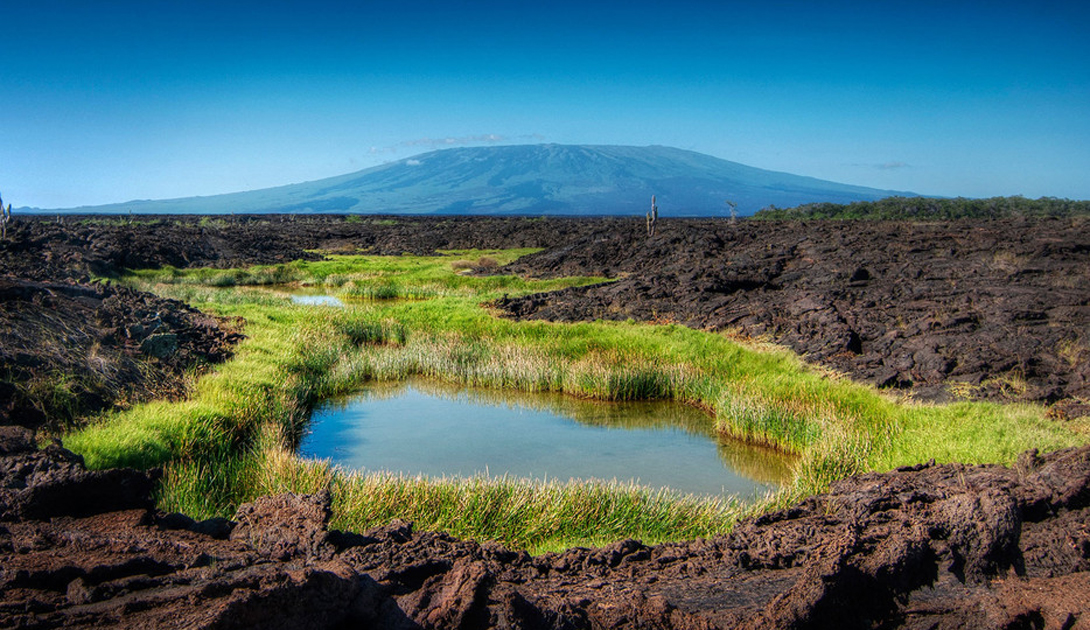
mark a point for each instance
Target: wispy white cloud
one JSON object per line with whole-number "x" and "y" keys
{"x": 453, "y": 141}
{"x": 883, "y": 166}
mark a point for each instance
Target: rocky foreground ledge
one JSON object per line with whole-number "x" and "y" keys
{"x": 949, "y": 546}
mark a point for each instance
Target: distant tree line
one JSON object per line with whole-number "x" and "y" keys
{"x": 930, "y": 208}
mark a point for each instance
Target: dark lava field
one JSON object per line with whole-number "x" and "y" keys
{"x": 984, "y": 309}
{"x": 938, "y": 311}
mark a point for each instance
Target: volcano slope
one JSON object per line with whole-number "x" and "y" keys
{"x": 930, "y": 546}
{"x": 979, "y": 309}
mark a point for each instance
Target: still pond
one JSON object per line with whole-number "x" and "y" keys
{"x": 422, "y": 427}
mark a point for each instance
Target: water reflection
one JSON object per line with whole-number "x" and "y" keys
{"x": 311, "y": 296}
{"x": 436, "y": 429}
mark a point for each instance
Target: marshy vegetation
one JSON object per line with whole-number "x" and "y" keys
{"x": 234, "y": 437}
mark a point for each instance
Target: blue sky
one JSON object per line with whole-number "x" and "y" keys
{"x": 115, "y": 100}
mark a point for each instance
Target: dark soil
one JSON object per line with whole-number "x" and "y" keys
{"x": 981, "y": 309}
{"x": 948, "y": 546}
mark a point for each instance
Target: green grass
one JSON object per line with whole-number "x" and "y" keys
{"x": 231, "y": 440}
{"x": 366, "y": 277}
{"x": 533, "y": 515}
{"x": 977, "y": 433}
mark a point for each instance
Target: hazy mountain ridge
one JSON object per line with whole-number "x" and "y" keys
{"x": 529, "y": 179}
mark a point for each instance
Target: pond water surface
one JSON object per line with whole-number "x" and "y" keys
{"x": 312, "y": 296}
{"x": 427, "y": 428}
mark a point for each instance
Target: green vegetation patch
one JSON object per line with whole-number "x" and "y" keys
{"x": 232, "y": 439}
{"x": 931, "y": 209}
{"x": 369, "y": 277}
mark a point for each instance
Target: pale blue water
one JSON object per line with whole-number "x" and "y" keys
{"x": 312, "y": 296}
{"x": 316, "y": 300}
{"x": 424, "y": 428}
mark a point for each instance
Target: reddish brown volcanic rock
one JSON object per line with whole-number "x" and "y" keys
{"x": 925, "y": 547}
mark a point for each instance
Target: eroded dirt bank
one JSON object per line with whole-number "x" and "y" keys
{"x": 948, "y": 546}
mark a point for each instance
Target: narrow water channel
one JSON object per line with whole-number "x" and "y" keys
{"x": 422, "y": 427}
